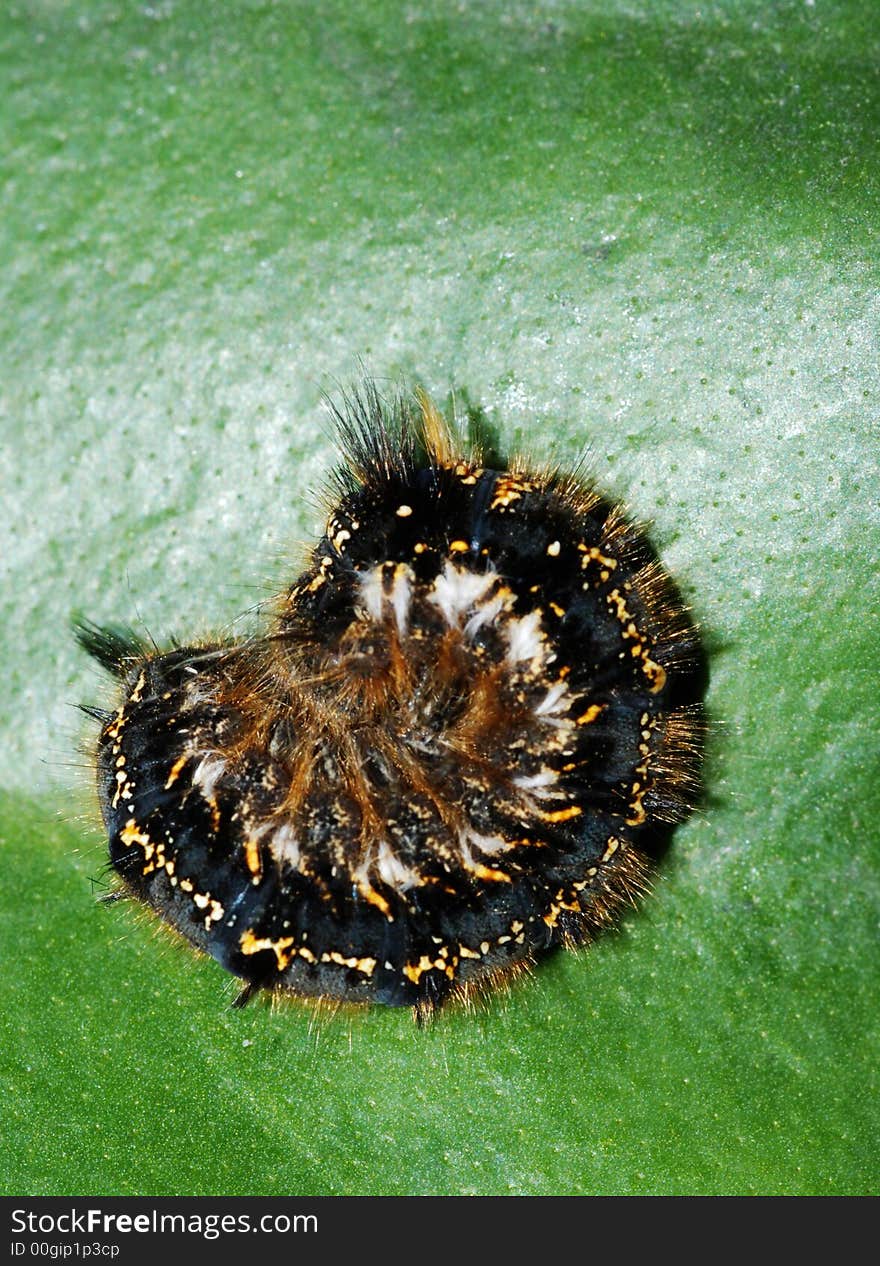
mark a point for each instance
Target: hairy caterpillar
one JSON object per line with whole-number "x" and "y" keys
{"x": 470, "y": 725}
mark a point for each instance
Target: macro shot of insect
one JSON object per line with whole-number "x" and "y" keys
{"x": 465, "y": 734}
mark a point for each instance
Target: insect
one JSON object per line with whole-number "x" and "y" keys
{"x": 471, "y": 724}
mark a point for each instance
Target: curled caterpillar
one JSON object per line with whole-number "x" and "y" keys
{"x": 470, "y": 726}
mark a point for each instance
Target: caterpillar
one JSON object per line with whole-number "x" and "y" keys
{"x": 461, "y": 741}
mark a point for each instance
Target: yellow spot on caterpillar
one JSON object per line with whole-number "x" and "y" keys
{"x": 365, "y": 965}
{"x": 655, "y": 673}
{"x": 204, "y": 901}
{"x": 611, "y": 848}
{"x": 617, "y": 600}
{"x": 637, "y": 811}
{"x": 376, "y": 899}
{"x": 252, "y": 858}
{"x": 403, "y": 512}
{"x": 251, "y": 944}
{"x": 123, "y": 787}
{"x": 175, "y": 771}
{"x": 593, "y": 711}
{"x": 553, "y": 549}
{"x": 487, "y": 873}
{"x": 594, "y": 555}
{"x": 130, "y": 834}
{"x": 137, "y": 693}
{"x": 563, "y": 815}
{"x": 415, "y": 971}
{"x": 509, "y": 489}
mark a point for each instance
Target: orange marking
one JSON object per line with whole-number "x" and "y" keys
{"x": 611, "y": 848}
{"x": 251, "y": 944}
{"x": 131, "y": 835}
{"x": 563, "y": 815}
{"x": 175, "y": 770}
{"x": 551, "y": 916}
{"x": 593, "y": 711}
{"x": 655, "y": 673}
{"x": 376, "y": 899}
{"x": 492, "y": 876}
{"x": 595, "y": 555}
{"x": 415, "y": 971}
{"x": 252, "y": 858}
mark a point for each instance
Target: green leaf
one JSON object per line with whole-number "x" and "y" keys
{"x": 647, "y": 231}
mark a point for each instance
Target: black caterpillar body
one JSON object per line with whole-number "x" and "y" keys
{"x": 469, "y": 728}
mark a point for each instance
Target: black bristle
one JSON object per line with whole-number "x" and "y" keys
{"x": 97, "y": 714}
{"x": 115, "y": 647}
{"x": 379, "y": 437}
